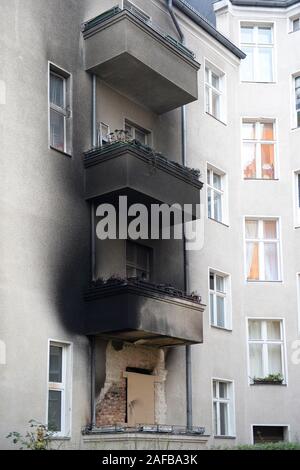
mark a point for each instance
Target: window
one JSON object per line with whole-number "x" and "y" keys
{"x": 259, "y": 149}
{"x": 266, "y": 354}
{"x": 137, "y": 133}
{"x": 265, "y": 434}
{"x": 59, "y": 110}
{"x": 297, "y": 197}
{"x": 294, "y": 24}
{"x": 262, "y": 249}
{"x": 215, "y": 195}
{"x": 138, "y": 261}
{"x": 103, "y": 134}
{"x": 219, "y": 299}
{"x": 297, "y": 100}
{"x": 223, "y": 408}
{"x": 59, "y": 406}
{"x": 214, "y": 92}
{"x": 257, "y": 43}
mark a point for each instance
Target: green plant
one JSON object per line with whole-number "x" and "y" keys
{"x": 36, "y": 438}
{"x": 276, "y": 378}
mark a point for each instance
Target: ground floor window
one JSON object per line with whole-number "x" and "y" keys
{"x": 265, "y": 434}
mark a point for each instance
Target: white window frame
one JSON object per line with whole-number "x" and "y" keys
{"x": 221, "y": 91}
{"x": 226, "y": 295}
{"x": 101, "y": 136}
{"x": 264, "y": 341}
{"x": 66, "y": 111}
{"x": 231, "y": 407}
{"x": 258, "y": 123}
{"x": 285, "y": 426}
{"x": 291, "y": 20}
{"x": 65, "y": 387}
{"x": 296, "y": 176}
{"x": 222, "y": 192}
{"x": 294, "y": 109}
{"x": 261, "y": 242}
{"x": 135, "y": 127}
{"x": 256, "y": 45}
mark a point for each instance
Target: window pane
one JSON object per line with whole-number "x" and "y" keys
{"x": 265, "y": 64}
{"x": 270, "y": 229}
{"x": 215, "y": 419}
{"x": 212, "y": 308}
{"x": 249, "y": 156}
{"x": 221, "y": 311}
{"x": 215, "y": 80}
{"x": 267, "y": 131}
{"x": 252, "y": 261}
{"x": 247, "y": 34}
{"x": 271, "y": 262}
{"x": 207, "y": 99}
{"x": 55, "y": 364}
{"x": 247, "y": 66}
{"x": 217, "y": 206}
{"x": 248, "y": 130}
{"x": 129, "y": 131}
{"x": 209, "y": 202}
{"x": 208, "y": 177}
{"x": 217, "y": 181}
{"x": 207, "y": 75}
{"x": 142, "y": 256}
{"x": 211, "y": 281}
{"x": 267, "y": 161}
{"x": 57, "y": 90}
{"x": 220, "y": 284}
{"x": 57, "y": 131}
{"x": 251, "y": 228}
{"x": 273, "y": 330}
{"x": 254, "y": 329}
{"x": 215, "y": 389}
{"x": 274, "y": 356}
{"x": 140, "y": 136}
{"x": 54, "y": 410}
{"x": 296, "y": 25}
{"x": 256, "y": 360}
{"x": 215, "y": 105}
{"x": 224, "y": 419}
{"x": 223, "y": 390}
{"x": 265, "y": 35}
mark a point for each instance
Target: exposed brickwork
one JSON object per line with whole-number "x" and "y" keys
{"x": 112, "y": 404}
{"x": 112, "y": 409}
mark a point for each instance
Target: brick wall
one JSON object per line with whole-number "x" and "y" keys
{"x": 112, "y": 408}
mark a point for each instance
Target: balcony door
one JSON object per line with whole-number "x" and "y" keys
{"x": 140, "y": 398}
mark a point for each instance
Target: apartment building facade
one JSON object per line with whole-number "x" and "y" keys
{"x": 114, "y": 342}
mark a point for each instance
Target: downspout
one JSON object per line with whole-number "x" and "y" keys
{"x": 188, "y": 351}
{"x": 92, "y": 338}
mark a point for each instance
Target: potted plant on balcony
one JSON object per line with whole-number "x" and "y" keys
{"x": 271, "y": 379}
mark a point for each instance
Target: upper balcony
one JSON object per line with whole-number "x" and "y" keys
{"x": 141, "y": 312}
{"x": 139, "y": 60}
{"x": 126, "y": 167}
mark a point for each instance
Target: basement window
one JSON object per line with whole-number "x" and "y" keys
{"x": 138, "y": 261}
{"x": 266, "y": 434}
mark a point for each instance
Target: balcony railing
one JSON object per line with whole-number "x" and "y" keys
{"x": 88, "y": 25}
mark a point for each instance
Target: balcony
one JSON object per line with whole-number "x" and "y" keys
{"x": 135, "y": 170}
{"x": 143, "y": 313}
{"x": 139, "y": 60}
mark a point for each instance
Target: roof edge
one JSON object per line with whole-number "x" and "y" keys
{"x": 186, "y": 8}
{"x": 265, "y": 3}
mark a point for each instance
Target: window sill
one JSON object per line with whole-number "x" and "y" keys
{"x": 223, "y": 328}
{"x": 61, "y": 152}
{"x": 255, "y": 281}
{"x": 218, "y": 222}
{"x": 224, "y": 437}
{"x": 60, "y": 438}
{"x": 297, "y": 128}
{"x": 259, "y": 83}
{"x": 261, "y": 179}
{"x": 217, "y": 119}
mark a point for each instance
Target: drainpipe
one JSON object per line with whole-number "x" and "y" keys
{"x": 188, "y": 351}
{"x": 94, "y": 110}
{"x": 93, "y": 380}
